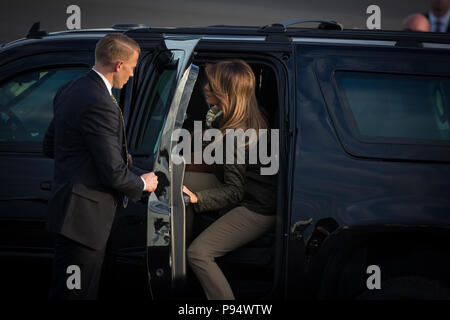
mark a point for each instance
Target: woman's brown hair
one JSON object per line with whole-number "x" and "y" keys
{"x": 233, "y": 84}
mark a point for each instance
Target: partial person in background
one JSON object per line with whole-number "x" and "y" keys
{"x": 416, "y": 22}
{"x": 439, "y": 15}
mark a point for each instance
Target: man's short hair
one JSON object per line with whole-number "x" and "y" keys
{"x": 113, "y": 47}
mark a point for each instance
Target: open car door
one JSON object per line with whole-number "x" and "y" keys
{"x": 166, "y": 247}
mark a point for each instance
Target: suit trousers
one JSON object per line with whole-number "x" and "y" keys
{"x": 234, "y": 229}
{"x": 73, "y": 260}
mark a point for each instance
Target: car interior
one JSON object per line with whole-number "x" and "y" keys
{"x": 249, "y": 269}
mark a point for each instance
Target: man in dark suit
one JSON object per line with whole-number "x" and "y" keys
{"x": 87, "y": 140}
{"x": 439, "y": 15}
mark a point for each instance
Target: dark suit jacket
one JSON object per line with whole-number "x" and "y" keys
{"x": 86, "y": 140}
{"x": 427, "y": 15}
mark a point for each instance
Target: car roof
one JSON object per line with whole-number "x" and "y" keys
{"x": 303, "y": 32}
{"x": 275, "y": 31}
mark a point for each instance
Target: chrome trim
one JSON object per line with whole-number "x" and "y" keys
{"x": 214, "y": 37}
{"x": 436, "y": 45}
{"x": 76, "y": 35}
{"x": 234, "y": 38}
{"x": 346, "y": 41}
{"x": 81, "y": 31}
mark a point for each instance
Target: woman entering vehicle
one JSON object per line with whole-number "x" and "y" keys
{"x": 250, "y": 196}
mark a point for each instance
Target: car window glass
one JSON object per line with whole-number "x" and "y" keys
{"x": 26, "y": 103}
{"x": 398, "y": 106}
{"x": 155, "y": 112}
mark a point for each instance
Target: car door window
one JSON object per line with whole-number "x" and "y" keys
{"x": 154, "y": 81}
{"x": 385, "y": 104}
{"x": 26, "y": 103}
{"x": 398, "y": 106}
{"x": 154, "y": 114}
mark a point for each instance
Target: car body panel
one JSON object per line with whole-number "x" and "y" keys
{"x": 339, "y": 193}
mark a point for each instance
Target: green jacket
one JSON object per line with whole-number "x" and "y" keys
{"x": 242, "y": 185}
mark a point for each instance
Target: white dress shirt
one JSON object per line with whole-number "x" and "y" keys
{"x": 444, "y": 22}
{"x": 109, "y": 87}
{"x": 107, "y": 84}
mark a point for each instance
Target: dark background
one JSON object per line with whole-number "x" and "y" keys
{"x": 17, "y": 16}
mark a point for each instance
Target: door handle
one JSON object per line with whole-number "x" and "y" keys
{"x": 46, "y": 185}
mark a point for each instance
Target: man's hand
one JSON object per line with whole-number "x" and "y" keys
{"x": 151, "y": 181}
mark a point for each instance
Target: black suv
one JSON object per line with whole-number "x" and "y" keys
{"x": 364, "y": 161}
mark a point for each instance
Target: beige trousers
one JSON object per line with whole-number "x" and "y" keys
{"x": 197, "y": 181}
{"x": 234, "y": 229}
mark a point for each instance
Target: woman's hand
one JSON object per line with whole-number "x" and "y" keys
{"x": 191, "y": 195}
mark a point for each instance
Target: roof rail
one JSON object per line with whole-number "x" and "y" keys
{"x": 130, "y": 26}
{"x": 282, "y": 26}
{"x": 35, "y": 32}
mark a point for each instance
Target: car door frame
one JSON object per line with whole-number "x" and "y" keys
{"x": 159, "y": 251}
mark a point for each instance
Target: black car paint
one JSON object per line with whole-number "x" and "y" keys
{"x": 340, "y": 199}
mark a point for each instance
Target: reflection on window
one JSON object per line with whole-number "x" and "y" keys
{"x": 155, "y": 113}
{"x": 26, "y": 103}
{"x": 398, "y": 106}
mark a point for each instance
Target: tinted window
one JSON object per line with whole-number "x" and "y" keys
{"x": 155, "y": 111}
{"x": 26, "y": 103}
{"x": 398, "y": 106}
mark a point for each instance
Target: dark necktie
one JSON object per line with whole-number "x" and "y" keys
{"x": 438, "y": 25}
{"x": 124, "y": 144}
